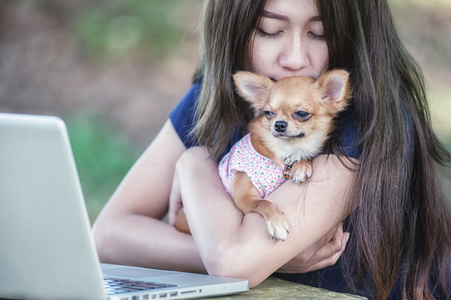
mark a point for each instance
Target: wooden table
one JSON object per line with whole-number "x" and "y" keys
{"x": 276, "y": 289}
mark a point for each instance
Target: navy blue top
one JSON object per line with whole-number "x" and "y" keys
{"x": 183, "y": 115}
{"x": 331, "y": 278}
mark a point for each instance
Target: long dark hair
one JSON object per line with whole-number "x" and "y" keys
{"x": 403, "y": 221}
{"x": 227, "y": 28}
{"x": 402, "y": 224}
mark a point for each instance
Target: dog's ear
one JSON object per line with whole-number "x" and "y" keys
{"x": 253, "y": 88}
{"x": 335, "y": 89}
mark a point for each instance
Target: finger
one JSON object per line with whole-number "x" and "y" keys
{"x": 331, "y": 242}
{"x": 344, "y": 240}
{"x": 174, "y": 209}
{"x": 321, "y": 250}
{"x": 330, "y": 260}
{"x": 322, "y": 242}
{"x": 175, "y": 201}
{"x": 334, "y": 258}
{"x": 338, "y": 236}
{"x": 330, "y": 252}
{"x": 325, "y": 251}
{"x": 335, "y": 244}
{"x": 331, "y": 234}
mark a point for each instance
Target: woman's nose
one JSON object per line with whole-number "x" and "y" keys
{"x": 294, "y": 57}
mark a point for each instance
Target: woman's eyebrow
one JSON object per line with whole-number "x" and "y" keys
{"x": 315, "y": 19}
{"x": 271, "y": 15}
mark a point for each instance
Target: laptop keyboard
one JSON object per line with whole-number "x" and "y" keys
{"x": 114, "y": 286}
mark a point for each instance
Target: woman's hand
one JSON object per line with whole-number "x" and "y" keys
{"x": 323, "y": 253}
{"x": 175, "y": 197}
{"x": 175, "y": 200}
{"x": 176, "y": 214}
{"x": 235, "y": 245}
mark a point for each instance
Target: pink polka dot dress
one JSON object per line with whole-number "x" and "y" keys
{"x": 264, "y": 173}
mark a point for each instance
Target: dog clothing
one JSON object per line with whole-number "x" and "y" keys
{"x": 264, "y": 173}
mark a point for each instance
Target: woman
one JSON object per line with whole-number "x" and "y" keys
{"x": 379, "y": 174}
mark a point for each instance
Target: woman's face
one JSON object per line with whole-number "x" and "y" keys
{"x": 289, "y": 40}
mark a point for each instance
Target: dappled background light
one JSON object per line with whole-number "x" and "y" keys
{"x": 114, "y": 69}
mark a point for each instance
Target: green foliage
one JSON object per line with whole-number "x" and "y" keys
{"x": 103, "y": 157}
{"x": 116, "y": 28}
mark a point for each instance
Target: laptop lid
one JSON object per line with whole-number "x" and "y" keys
{"x": 47, "y": 248}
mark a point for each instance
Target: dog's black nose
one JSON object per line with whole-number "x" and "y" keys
{"x": 281, "y": 126}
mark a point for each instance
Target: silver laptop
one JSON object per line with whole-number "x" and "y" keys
{"x": 46, "y": 247}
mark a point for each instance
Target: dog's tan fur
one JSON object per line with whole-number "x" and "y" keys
{"x": 306, "y": 108}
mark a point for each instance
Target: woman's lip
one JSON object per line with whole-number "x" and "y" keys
{"x": 274, "y": 80}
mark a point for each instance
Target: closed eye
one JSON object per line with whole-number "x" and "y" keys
{"x": 268, "y": 35}
{"x": 318, "y": 37}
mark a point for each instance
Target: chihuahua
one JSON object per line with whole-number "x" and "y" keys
{"x": 293, "y": 119}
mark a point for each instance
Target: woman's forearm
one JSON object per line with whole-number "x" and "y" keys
{"x": 232, "y": 245}
{"x": 129, "y": 230}
{"x": 142, "y": 241}
{"x": 229, "y": 244}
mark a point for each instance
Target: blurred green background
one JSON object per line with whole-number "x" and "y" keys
{"x": 114, "y": 69}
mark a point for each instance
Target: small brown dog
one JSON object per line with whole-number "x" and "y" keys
{"x": 294, "y": 117}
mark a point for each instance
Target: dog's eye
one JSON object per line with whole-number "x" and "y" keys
{"x": 269, "y": 114}
{"x": 302, "y": 116}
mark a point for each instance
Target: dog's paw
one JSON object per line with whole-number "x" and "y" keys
{"x": 301, "y": 171}
{"x": 278, "y": 227}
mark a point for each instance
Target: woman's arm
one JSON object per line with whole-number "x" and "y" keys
{"x": 237, "y": 246}
{"x": 129, "y": 230}
{"x": 324, "y": 253}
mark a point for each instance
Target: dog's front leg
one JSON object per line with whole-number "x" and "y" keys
{"x": 247, "y": 198}
{"x": 301, "y": 171}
